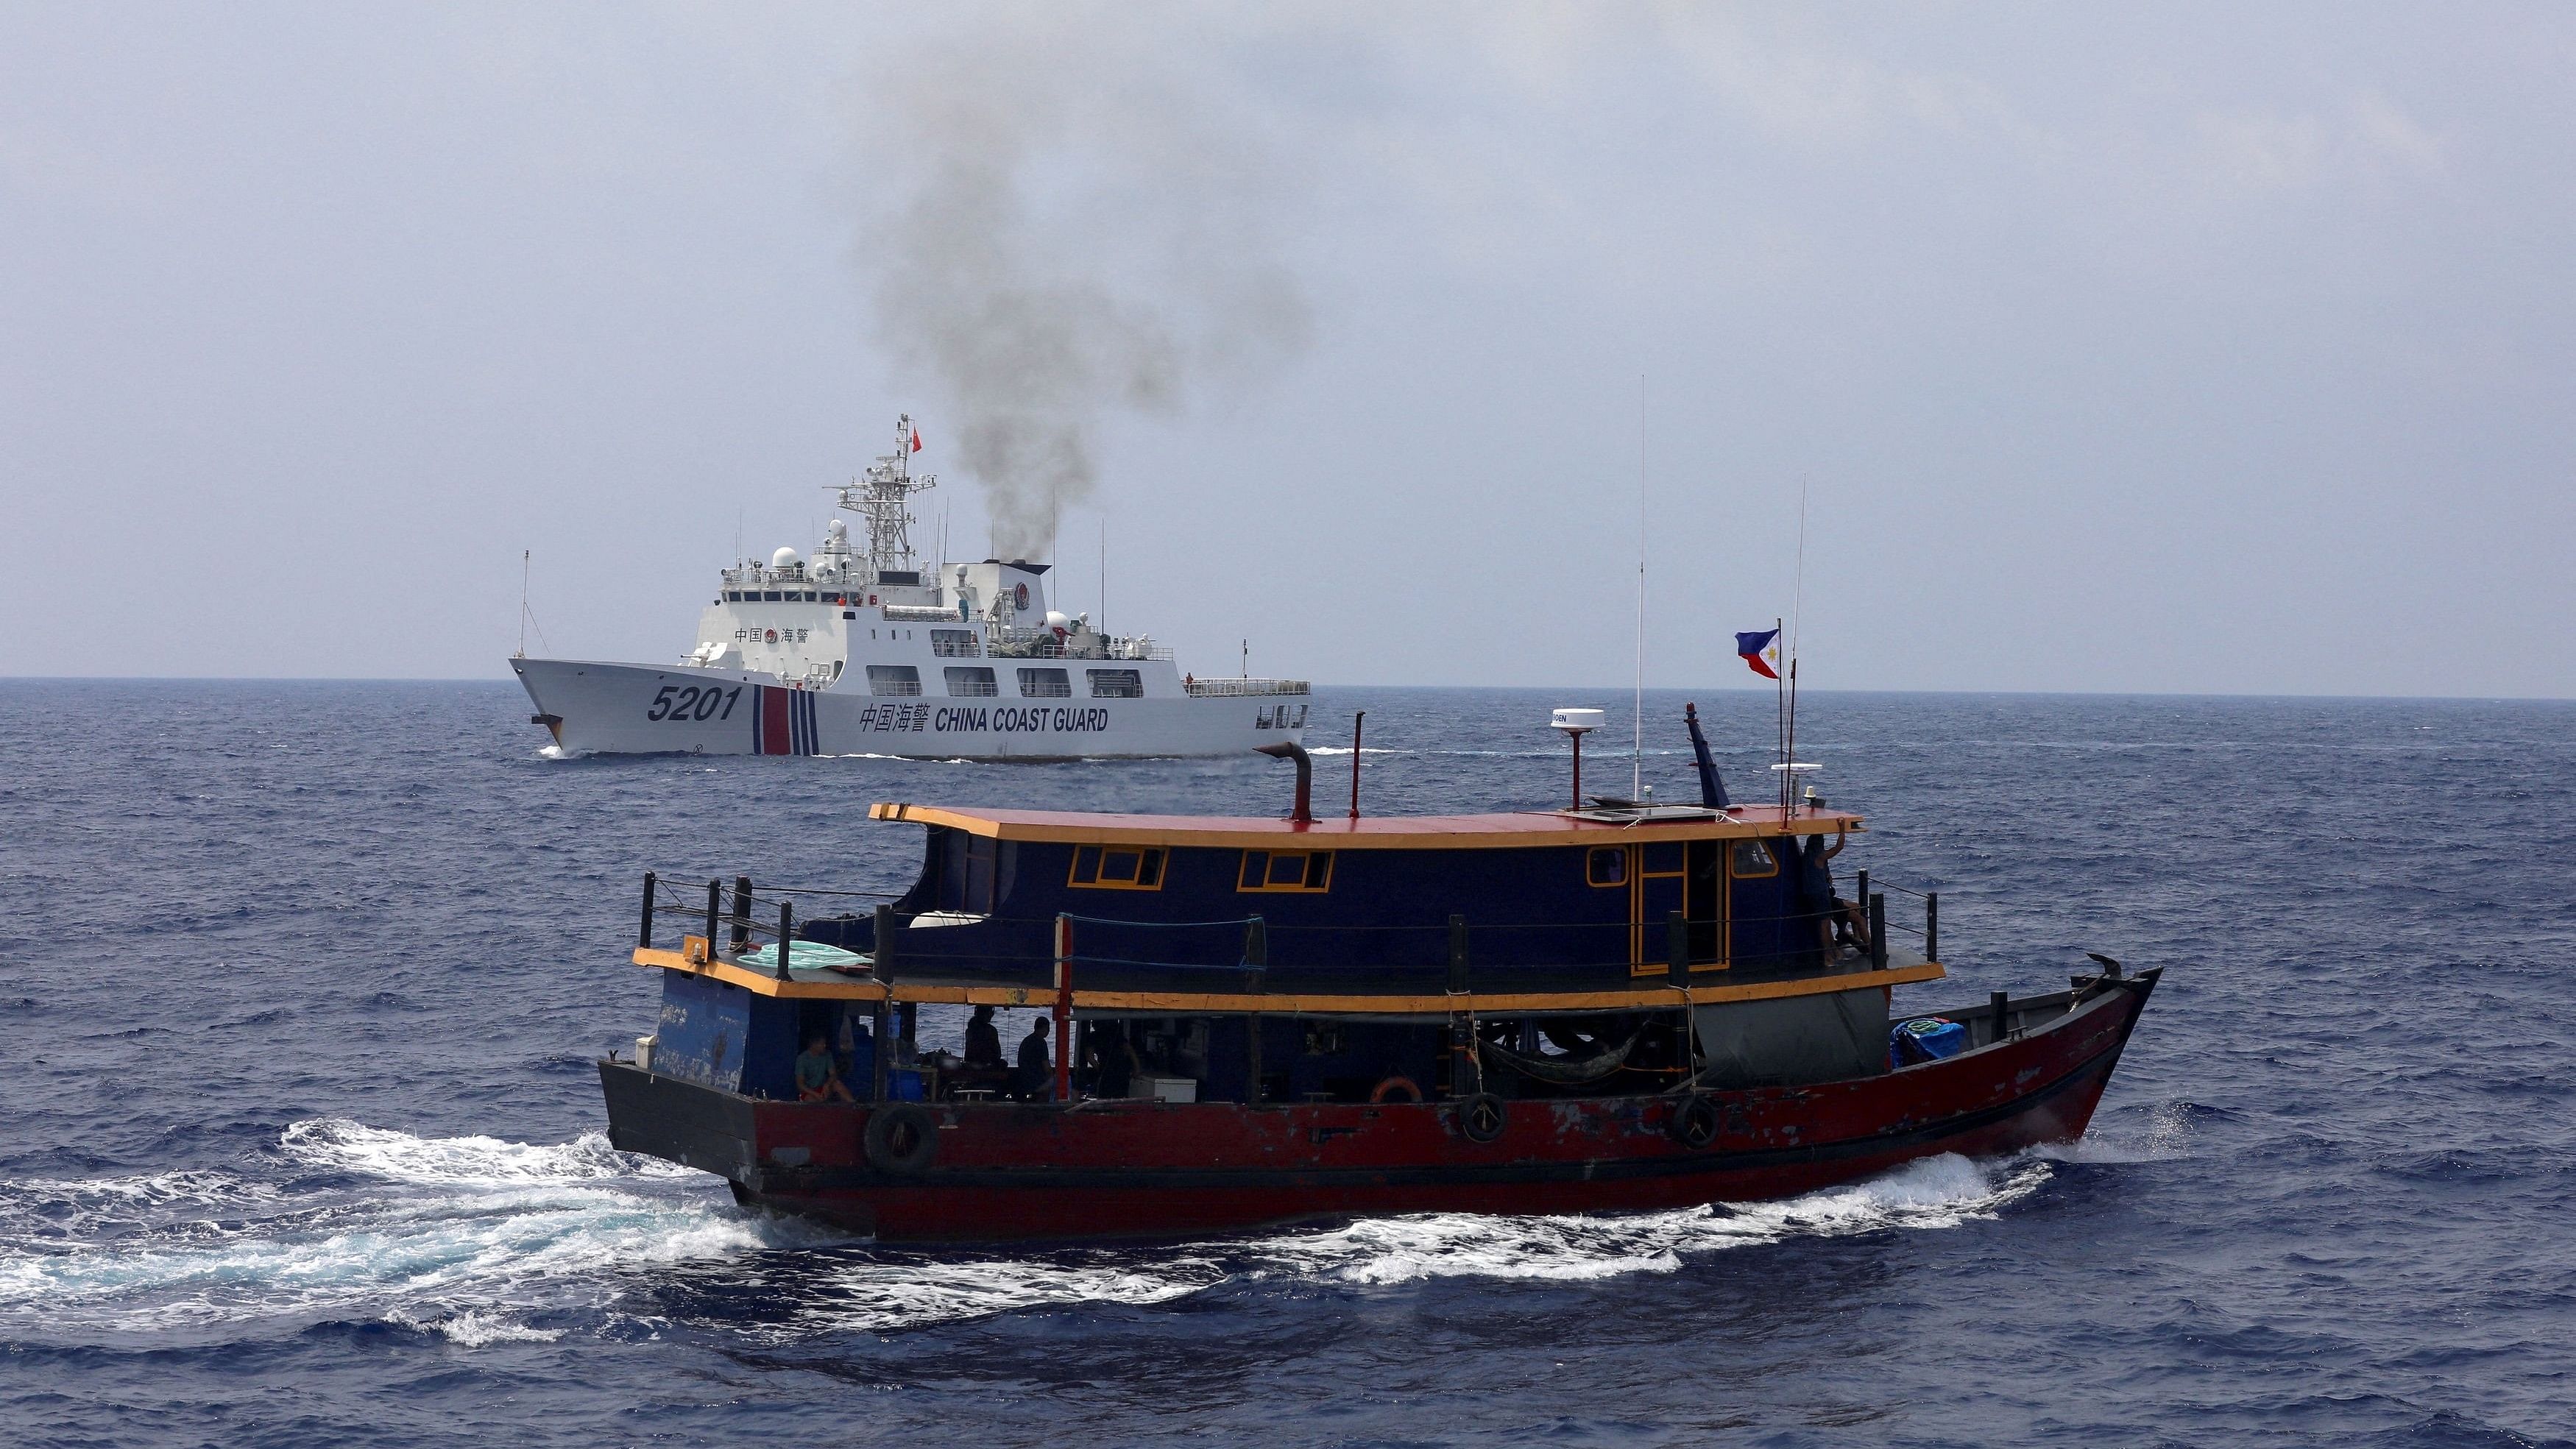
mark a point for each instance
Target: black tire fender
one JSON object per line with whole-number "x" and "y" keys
{"x": 901, "y": 1138}
{"x": 1482, "y": 1116}
{"x": 1695, "y": 1121}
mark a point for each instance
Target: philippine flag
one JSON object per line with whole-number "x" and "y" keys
{"x": 1760, "y": 650}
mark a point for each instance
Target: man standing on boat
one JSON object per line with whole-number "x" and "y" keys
{"x": 1037, "y": 1070}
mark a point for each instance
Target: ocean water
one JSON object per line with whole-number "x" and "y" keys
{"x": 301, "y": 984}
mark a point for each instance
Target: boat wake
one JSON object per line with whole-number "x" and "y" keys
{"x": 484, "y": 1241}
{"x": 459, "y": 1235}
{"x": 877, "y": 1291}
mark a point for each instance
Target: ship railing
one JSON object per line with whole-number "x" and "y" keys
{"x": 1872, "y": 897}
{"x": 746, "y": 916}
{"x": 1244, "y": 688}
{"x": 1016, "y": 643}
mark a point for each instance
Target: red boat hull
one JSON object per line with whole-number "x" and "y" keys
{"x": 1137, "y": 1168}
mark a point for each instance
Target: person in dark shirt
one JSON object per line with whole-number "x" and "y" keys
{"x": 1035, "y": 1080}
{"x": 983, "y": 1042}
{"x": 1838, "y": 922}
{"x": 816, "y": 1080}
{"x": 1114, "y": 1058}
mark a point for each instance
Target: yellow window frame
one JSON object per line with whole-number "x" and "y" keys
{"x": 1314, "y": 877}
{"x": 1148, "y": 874}
{"x": 1618, "y": 853}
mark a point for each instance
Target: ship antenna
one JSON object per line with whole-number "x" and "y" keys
{"x": 1637, "y": 709}
{"x": 528, "y": 616}
{"x": 1797, "y": 609}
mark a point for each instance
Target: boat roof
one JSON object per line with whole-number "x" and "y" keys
{"x": 1518, "y": 828}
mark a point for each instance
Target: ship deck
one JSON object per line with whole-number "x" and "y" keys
{"x": 1903, "y": 969}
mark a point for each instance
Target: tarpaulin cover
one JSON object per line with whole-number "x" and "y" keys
{"x": 802, "y": 956}
{"x": 1926, "y": 1039}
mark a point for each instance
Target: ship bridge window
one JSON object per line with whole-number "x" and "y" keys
{"x": 955, "y": 644}
{"x": 772, "y": 596}
{"x": 1286, "y": 870}
{"x": 893, "y": 679}
{"x": 970, "y": 683}
{"x": 733, "y": 596}
{"x": 1117, "y": 867}
{"x": 1116, "y": 684}
{"x": 1045, "y": 684}
{"x": 1751, "y": 861}
{"x": 1606, "y": 865}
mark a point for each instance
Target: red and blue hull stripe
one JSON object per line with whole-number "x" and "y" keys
{"x": 782, "y": 722}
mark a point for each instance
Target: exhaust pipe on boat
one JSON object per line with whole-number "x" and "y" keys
{"x": 1291, "y": 750}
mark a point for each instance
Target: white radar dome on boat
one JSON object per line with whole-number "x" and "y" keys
{"x": 837, "y": 530}
{"x": 785, "y": 558}
{"x": 1576, "y": 721}
{"x": 1057, "y": 621}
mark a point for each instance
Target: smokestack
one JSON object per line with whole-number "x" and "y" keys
{"x": 1291, "y": 750}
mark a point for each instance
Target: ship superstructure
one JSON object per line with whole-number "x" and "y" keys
{"x": 863, "y": 650}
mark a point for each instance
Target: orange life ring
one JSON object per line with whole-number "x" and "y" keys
{"x": 1405, "y": 1085}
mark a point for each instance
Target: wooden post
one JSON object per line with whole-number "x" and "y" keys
{"x": 786, "y": 936}
{"x": 881, "y": 966}
{"x": 1357, "y": 720}
{"x": 881, "y": 1051}
{"x": 1860, "y": 884}
{"x": 1063, "y": 1007}
{"x": 1256, "y": 954}
{"x": 1932, "y": 925}
{"x": 1878, "y": 931}
{"x": 1461, "y": 1064}
{"x": 715, "y": 912}
{"x": 2002, "y": 1003}
{"x": 881, "y": 955}
{"x": 644, "y": 937}
{"x": 741, "y": 914}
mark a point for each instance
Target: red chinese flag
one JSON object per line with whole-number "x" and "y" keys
{"x": 916, "y": 440}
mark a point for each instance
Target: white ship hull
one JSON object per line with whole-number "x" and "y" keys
{"x": 603, "y": 708}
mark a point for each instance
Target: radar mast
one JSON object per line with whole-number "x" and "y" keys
{"x": 881, "y": 497}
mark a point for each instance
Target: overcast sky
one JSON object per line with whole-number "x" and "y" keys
{"x": 2169, "y": 348}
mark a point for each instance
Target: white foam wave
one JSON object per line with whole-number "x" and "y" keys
{"x": 2164, "y": 1136}
{"x": 1936, "y": 1192}
{"x": 336, "y": 1142}
{"x": 474, "y": 1327}
{"x": 875, "y": 1297}
{"x": 450, "y": 1228}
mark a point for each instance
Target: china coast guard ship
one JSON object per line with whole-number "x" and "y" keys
{"x": 865, "y": 652}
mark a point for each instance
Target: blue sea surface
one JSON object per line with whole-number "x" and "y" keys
{"x": 301, "y": 985}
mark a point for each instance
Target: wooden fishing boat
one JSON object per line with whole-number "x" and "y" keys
{"x": 1257, "y": 1021}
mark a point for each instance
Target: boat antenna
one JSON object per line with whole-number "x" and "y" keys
{"x": 1780, "y": 723}
{"x": 1637, "y": 708}
{"x": 1797, "y": 608}
{"x": 1101, "y": 624}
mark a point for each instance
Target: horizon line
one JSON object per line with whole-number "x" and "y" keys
{"x": 10, "y": 679}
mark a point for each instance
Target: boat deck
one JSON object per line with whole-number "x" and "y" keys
{"x": 1903, "y": 968}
